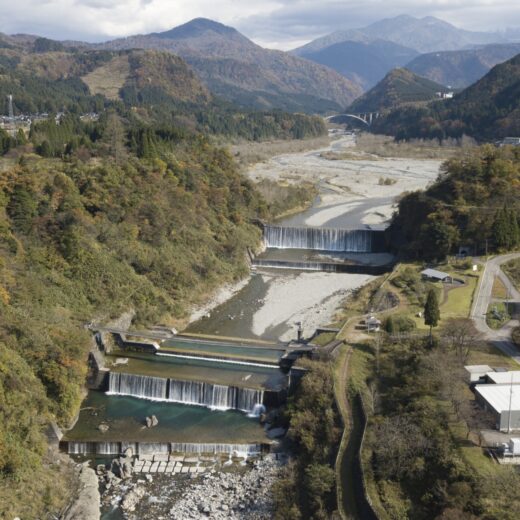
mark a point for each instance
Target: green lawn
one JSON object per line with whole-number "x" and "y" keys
{"x": 459, "y": 300}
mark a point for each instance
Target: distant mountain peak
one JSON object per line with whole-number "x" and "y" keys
{"x": 197, "y": 27}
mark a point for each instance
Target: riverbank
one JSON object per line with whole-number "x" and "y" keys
{"x": 229, "y": 491}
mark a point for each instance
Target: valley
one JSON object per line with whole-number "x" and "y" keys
{"x": 245, "y": 283}
{"x": 262, "y": 316}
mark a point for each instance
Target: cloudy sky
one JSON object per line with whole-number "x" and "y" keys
{"x": 273, "y": 23}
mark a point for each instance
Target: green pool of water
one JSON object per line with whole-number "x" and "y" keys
{"x": 177, "y": 422}
{"x": 245, "y": 352}
{"x": 245, "y": 376}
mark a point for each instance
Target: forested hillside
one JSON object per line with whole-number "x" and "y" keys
{"x": 475, "y": 202}
{"x": 114, "y": 217}
{"x": 145, "y": 86}
{"x": 245, "y": 74}
{"x": 488, "y": 110}
{"x": 398, "y": 87}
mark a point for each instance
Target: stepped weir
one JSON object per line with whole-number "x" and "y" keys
{"x": 324, "y": 239}
{"x": 198, "y": 393}
{"x": 143, "y": 448}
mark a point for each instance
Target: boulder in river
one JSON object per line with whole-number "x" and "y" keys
{"x": 152, "y": 421}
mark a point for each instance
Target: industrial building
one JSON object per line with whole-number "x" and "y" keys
{"x": 503, "y": 401}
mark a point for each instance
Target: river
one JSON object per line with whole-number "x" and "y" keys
{"x": 355, "y": 193}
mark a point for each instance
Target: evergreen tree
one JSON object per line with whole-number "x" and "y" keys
{"x": 432, "y": 314}
{"x": 20, "y": 137}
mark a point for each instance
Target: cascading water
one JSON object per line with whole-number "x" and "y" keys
{"x": 321, "y": 239}
{"x": 240, "y": 450}
{"x": 81, "y": 448}
{"x": 217, "y": 397}
{"x": 90, "y": 448}
{"x": 300, "y": 266}
{"x": 144, "y": 387}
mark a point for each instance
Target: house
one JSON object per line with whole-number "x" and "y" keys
{"x": 373, "y": 324}
{"x": 436, "y": 276}
{"x": 511, "y": 141}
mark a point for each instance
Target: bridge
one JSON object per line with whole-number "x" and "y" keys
{"x": 366, "y": 117}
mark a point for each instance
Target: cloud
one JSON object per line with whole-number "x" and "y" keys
{"x": 277, "y": 23}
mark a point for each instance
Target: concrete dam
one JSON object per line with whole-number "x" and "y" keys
{"x": 324, "y": 239}
{"x": 197, "y": 393}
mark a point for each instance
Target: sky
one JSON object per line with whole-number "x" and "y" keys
{"x": 282, "y": 24}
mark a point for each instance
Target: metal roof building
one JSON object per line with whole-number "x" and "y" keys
{"x": 433, "y": 274}
{"x": 500, "y": 399}
{"x": 504, "y": 378}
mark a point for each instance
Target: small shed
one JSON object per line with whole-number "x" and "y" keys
{"x": 477, "y": 373}
{"x": 373, "y": 324}
{"x": 436, "y": 276}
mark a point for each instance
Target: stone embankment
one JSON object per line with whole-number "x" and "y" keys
{"x": 187, "y": 487}
{"x": 86, "y": 504}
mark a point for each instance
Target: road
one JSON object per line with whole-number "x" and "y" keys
{"x": 500, "y": 338}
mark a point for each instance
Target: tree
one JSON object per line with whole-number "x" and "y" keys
{"x": 460, "y": 334}
{"x": 319, "y": 481}
{"x": 21, "y": 139}
{"x": 432, "y": 314}
{"x": 114, "y": 136}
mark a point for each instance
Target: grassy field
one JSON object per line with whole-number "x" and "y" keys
{"x": 385, "y": 146}
{"x": 499, "y": 290}
{"x": 512, "y": 270}
{"x": 110, "y": 78}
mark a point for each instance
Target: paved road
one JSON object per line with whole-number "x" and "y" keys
{"x": 500, "y": 338}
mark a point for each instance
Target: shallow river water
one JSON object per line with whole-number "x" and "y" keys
{"x": 352, "y": 195}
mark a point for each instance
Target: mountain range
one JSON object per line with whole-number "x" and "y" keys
{"x": 428, "y": 34}
{"x": 487, "y": 110}
{"x": 323, "y": 76}
{"x": 427, "y": 46}
{"x": 459, "y": 69}
{"x": 235, "y": 68}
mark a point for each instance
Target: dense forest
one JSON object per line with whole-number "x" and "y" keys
{"x": 475, "y": 203}
{"x": 109, "y": 217}
{"x": 487, "y": 110}
{"x": 419, "y": 420}
{"x": 150, "y": 87}
{"x": 307, "y": 489}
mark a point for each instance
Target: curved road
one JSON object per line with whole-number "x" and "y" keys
{"x": 500, "y": 338}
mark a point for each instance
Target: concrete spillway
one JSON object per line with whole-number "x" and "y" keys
{"x": 198, "y": 393}
{"x": 138, "y": 448}
{"x": 324, "y": 239}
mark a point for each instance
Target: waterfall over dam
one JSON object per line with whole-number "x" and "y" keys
{"x": 145, "y": 448}
{"x": 324, "y": 239}
{"x": 144, "y": 387}
{"x": 218, "y": 397}
{"x": 198, "y": 393}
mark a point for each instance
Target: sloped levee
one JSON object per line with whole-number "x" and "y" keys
{"x": 324, "y": 239}
{"x": 218, "y": 397}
